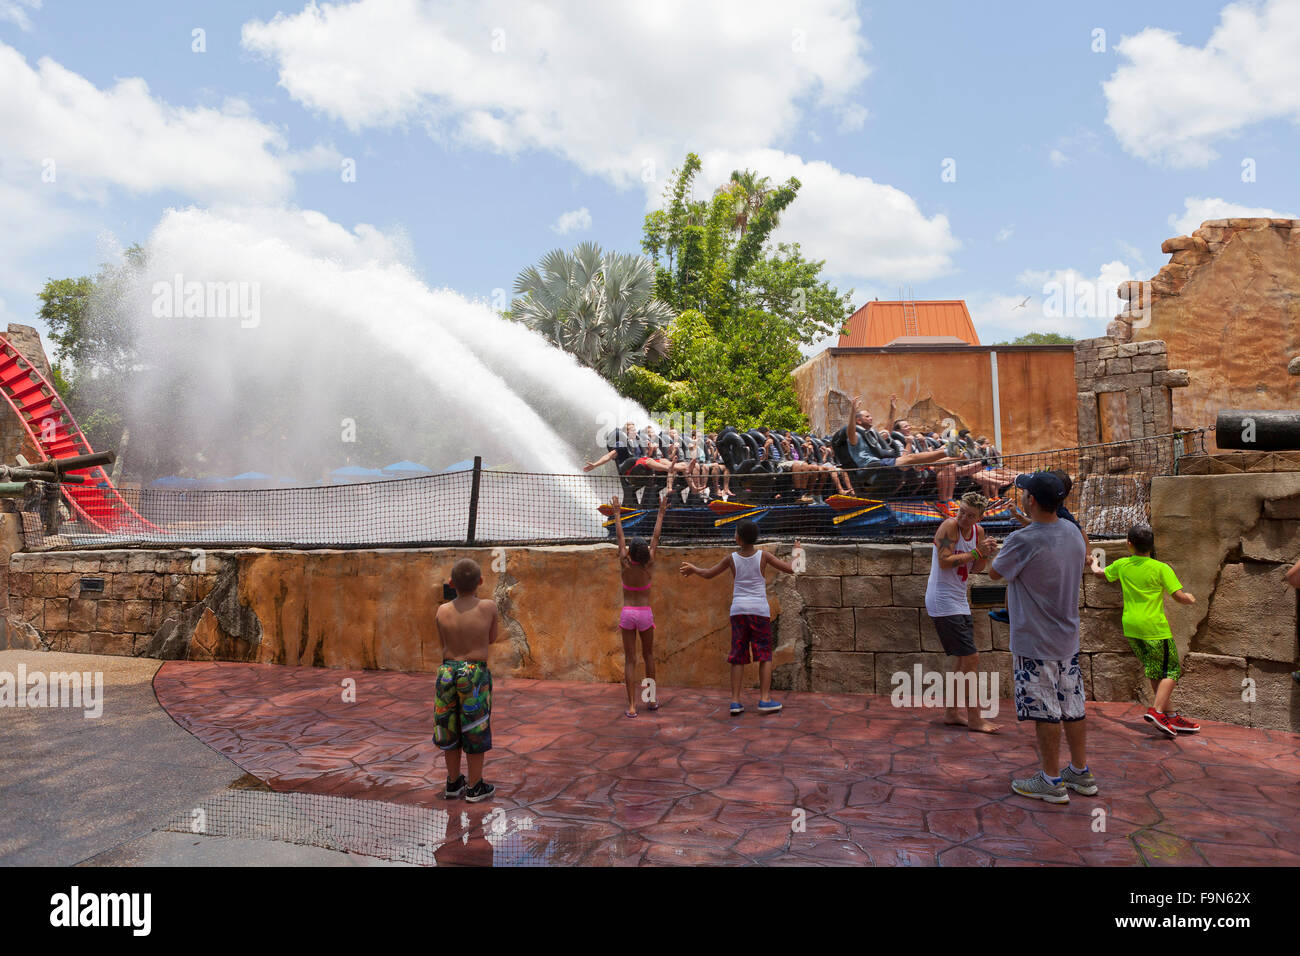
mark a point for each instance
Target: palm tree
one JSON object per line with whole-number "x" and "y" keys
{"x": 749, "y": 191}
{"x": 599, "y": 307}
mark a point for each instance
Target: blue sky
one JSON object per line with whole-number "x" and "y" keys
{"x": 475, "y": 127}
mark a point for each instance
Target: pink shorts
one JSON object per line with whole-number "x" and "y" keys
{"x": 636, "y": 619}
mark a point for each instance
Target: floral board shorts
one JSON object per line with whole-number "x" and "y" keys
{"x": 462, "y": 707}
{"x": 1048, "y": 691}
{"x": 1159, "y": 658}
{"x": 750, "y": 630}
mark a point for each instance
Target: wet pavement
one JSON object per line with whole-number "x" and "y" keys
{"x": 833, "y": 779}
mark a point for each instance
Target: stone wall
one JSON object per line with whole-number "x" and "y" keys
{"x": 1228, "y": 306}
{"x": 1124, "y": 389}
{"x": 853, "y": 618}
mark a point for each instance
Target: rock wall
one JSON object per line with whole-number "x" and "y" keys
{"x": 1228, "y": 306}
{"x": 851, "y": 620}
{"x": 1124, "y": 389}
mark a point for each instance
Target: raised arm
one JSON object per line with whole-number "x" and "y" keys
{"x": 659, "y": 524}
{"x": 945, "y": 540}
{"x": 618, "y": 527}
{"x": 1184, "y": 597}
{"x": 608, "y": 456}
{"x": 851, "y": 429}
{"x": 771, "y": 560}
{"x": 687, "y": 569}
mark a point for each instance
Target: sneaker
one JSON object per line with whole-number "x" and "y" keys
{"x": 480, "y": 791}
{"x": 737, "y": 708}
{"x": 768, "y": 706}
{"x": 455, "y": 788}
{"x": 1183, "y": 725}
{"x": 1161, "y": 721}
{"x": 1038, "y": 788}
{"x": 1000, "y": 614}
{"x": 1084, "y": 783}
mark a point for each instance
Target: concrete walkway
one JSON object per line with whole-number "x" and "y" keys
{"x": 74, "y": 788}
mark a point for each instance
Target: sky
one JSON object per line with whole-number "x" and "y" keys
{"x": 1021, "y": 156}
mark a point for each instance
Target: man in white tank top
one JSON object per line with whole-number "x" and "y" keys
{"x": 961, "y": 548}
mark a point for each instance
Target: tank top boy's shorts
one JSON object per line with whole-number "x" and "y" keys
{"x": 462, "y": 707}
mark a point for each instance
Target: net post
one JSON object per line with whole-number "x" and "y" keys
{"x": 473, "y": 499}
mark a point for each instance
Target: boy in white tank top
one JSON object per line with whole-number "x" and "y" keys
{"x": 751, "y": 622}
{"x": 961, "y": 548}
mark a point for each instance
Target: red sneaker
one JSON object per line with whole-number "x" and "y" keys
{"x": 1161, "y": 721}
{"x": 1183, "y": 725}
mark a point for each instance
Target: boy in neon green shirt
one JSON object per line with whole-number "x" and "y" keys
{"x": 1145, "y": 581}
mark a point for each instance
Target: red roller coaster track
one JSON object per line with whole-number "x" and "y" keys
{"x": 56, "y": 434}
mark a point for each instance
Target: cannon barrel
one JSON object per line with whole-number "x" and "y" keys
{"x": 1262, "y": 430}
{"x": 77, "y": 462}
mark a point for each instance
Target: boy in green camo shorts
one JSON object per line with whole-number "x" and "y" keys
{"x": 467, "y": 627}
{"x": 1145, "y": 581}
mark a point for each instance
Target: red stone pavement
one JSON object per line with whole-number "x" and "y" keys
{"x": 581, "y": 784}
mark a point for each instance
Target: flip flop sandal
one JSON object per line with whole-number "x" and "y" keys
{"x": 629, "y": 713}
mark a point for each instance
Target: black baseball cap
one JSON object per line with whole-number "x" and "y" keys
{"x": 1045, "y": 488}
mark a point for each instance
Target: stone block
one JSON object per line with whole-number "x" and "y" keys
{"x": 1211, "y": 687}
{"x": 818, "y": 590}
{"x": 1098, "y": 592}
{"x": 921, "y": 553}
{"x": 837, "y": 672}
{"x": 136, "y": 616}
{"x": 1271, "y": 541}
{"x": 1149, "y": 363}
{"x": 81, "y": 615}
{"x": 56, "y": 614}
{"x": 1252, "y": 614}
{"x": 118, "y": 644}
{"x": 1282, "y": 509}
{"x": 865, "y": 590}
{"x": 1119, "y": 677}
{"x": 1118, "y": 366}
{"x": 1100, "y": 629}
{"x": 887, "y": 629}
{"x": 1172, "y": 378}
{"x": 150, "y": 586}
{"x": 831, "y": 629}
{"x": 884, "y": 559}
{"x": 1276, "y": 705}
{"x": 140, "y": 561}
{"x": 909, "y": 590}
{"x": 1128, "y": 349}
{"x": 827, "y": 559}
{"x": 1000, "y": 634}
{"x": 1155, "y": 347}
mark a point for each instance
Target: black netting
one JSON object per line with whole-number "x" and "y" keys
{"x": 1111, "y": 491}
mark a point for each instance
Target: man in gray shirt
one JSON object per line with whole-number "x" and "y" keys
{"x": 1042, "y": 564}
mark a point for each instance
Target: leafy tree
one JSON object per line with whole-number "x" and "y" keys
{"x": 1040, "y": 338}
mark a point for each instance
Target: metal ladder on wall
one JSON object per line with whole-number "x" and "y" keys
{"x": 909, "y": 313}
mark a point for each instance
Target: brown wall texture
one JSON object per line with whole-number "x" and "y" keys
{"x": 1035, "y": 389}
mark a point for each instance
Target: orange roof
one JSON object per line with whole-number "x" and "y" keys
{"x": 877, "y": 324}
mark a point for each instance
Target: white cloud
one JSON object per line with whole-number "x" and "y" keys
{"x": 863, "y": 229}
{"x": 1057, "y": 158}
{"x": 1005, "y": 233}
{"x": 852, "y": 117}
{"x": 1197, "y": 209}
{"x": 1171, "y": 102}
{"x": 1060, "y": 300}
{"x": 573, "y": 220}
{"x": 124, "y": 137}
{"x": 611, "y": 87}
{"x": 15, "y": 11}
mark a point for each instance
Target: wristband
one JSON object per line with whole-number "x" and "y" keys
{"x": 978, "y": 556}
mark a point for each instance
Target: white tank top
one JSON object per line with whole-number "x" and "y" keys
{"x": 945, "y": 592}
{"x": 750, "y": 594}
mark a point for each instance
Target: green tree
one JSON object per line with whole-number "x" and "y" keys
{"x": 1040, "y": 338}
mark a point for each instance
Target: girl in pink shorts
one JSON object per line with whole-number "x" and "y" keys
{"x": 636, "y": 559}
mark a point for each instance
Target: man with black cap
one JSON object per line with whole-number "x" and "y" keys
{"x": 1042, "y": 564}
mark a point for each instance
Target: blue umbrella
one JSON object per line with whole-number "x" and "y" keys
{"x": 354, "y": 473}
{"x": 465, "y": 465}
{"x": 407, "y": 469}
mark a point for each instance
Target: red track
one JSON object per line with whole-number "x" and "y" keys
{"x": 57, "y": 435}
